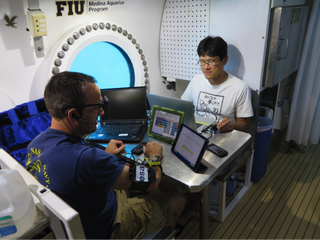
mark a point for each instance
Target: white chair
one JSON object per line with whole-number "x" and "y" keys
{"x": 64, "y": 221}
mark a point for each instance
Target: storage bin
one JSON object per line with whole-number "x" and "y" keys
{"x": 261, "y": 148}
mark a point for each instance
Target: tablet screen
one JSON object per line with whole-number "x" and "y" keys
{"x": 189, "y": 146}
{"x": 165, "y": 124}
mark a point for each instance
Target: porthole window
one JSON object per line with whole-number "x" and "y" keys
{"x": 107, "y": 63}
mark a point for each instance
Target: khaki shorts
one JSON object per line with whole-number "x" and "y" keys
{"x": 141, "y": 215}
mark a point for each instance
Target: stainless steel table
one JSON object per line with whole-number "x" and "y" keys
{"x": 234, "y": 142}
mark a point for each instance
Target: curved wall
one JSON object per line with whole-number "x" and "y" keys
{"x": 24, "y": 75}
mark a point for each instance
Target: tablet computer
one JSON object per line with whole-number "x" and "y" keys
{"x": 189, "y": 146}
{"x": 164, "y": 123}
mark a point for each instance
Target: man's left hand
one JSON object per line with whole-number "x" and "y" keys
{"x": 225, "y": 125}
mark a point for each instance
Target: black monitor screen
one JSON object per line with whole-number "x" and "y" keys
{"x": 125, "y": 103}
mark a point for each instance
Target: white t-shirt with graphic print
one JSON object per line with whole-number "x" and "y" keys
{"x": 231, "y": 99}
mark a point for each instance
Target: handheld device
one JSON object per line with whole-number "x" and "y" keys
{"x": 212, "y": 127}
{"x": 217, "y": 150}
{"x": 139, "y": 148}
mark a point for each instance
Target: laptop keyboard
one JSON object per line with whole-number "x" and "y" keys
{"x": 116, "y": 129}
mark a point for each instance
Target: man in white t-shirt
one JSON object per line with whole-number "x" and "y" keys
{"x": 216, "y": 94}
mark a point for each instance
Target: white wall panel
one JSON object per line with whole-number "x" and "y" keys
{"x": 244, "y": 26}
{"x": 184, "y": 24}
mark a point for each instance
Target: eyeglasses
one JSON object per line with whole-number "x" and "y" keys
{"x": 210, "y": 62}
{"x": 102, "y": 104}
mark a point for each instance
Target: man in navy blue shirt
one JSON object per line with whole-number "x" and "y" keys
{"x": 88, "y": 176}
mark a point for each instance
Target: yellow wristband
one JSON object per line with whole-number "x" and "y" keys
{"x": 153, "y": 163}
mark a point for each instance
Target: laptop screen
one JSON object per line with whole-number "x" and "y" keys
{"x": 176, "y": 104}
{"x": 125, "y": 104}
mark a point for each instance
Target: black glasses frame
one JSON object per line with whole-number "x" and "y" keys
{"x": 102, "y": 104}
{"x": 207, "y": 62}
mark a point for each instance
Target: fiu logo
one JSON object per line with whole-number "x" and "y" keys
{"x": 71, "y": 6}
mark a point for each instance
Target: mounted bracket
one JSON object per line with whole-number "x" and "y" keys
{"x": 37, "y": 26}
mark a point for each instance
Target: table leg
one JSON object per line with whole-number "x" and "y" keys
{"x": 204, "y": 213}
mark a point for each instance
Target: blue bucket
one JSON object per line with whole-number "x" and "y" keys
{"x": 261, "y": 148}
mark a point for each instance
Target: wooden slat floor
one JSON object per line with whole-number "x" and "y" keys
{"x": 284, "y": 204}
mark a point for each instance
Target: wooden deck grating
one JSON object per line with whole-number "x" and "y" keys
{"x": 284, "y": 204}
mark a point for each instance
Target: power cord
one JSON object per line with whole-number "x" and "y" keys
{"x": 129, "y": 158}
{"x": 123, "y": 157}
{"x": 212, "y": 128}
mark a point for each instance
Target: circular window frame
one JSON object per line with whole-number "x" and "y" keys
{"x": 64, "y": 51}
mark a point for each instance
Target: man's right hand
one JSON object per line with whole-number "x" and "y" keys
{"x": 153, "y": 149}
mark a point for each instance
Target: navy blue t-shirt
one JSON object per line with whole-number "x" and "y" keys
{"x": 79, "y": 173}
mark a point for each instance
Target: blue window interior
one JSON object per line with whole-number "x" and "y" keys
{"x": 107, "y": 63}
